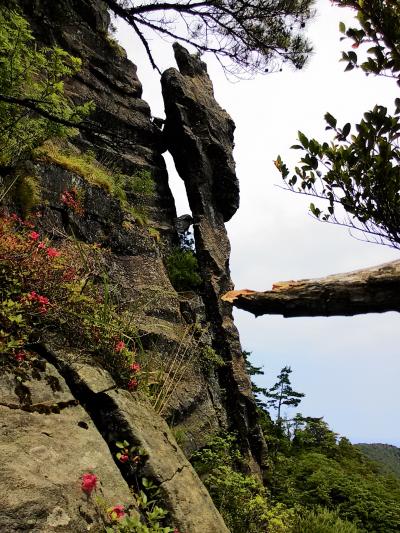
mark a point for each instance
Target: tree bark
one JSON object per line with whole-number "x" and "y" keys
{"x": 372, "y": 290}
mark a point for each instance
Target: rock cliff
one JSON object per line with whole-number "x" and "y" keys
{"x": 63, "y": 417}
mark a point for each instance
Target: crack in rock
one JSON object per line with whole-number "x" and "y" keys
{"x": 178, "y": 471}
{"x": 42, "y": 408}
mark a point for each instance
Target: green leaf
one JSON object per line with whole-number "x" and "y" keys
{"x": 330, "y": 120}
{"x": 346, "y": 129}
{"x": 303, "y": 139}
{"x": 342, "y": 27}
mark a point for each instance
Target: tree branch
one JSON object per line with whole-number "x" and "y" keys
{"x": 372, "y": 290}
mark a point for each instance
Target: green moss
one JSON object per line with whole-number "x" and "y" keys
{"x": 139, "y": 214}
{"x": 27, "y": 193}
{"x": 85, "y": 165}
{"x": 114, "y": 183}
{"x": 116, "y": 46}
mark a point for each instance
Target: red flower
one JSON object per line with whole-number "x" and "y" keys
{"x": 135, "y": 367}
{"x": 34, "y": 235}
{"x": 123, "y": 458}
{"x": 42, "y": 299}
{"x": 119, "y": 346}
{"x": 117, "y": 512}
{"x": 20, "y": 356}
{"x": 52, "y": 252}
{"x": 32, "y": 295}
{"x": 89, "y": 482}
{"x": 133, "y": 384}
{"x": 41, "y": 245}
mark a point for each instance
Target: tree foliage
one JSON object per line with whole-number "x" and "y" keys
{"x": 33, "y": 106}
{"x": 247, "y": 36}
{"x": 358, "y": 173}
{"x": 282, "y": 393}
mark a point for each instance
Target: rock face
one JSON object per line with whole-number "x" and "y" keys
{"x": 63, "y": 419}
{"x": 199, "y": 135}
{"x": 47, "y": 441}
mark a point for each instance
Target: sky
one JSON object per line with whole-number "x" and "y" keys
{"x": 348, "y": 367}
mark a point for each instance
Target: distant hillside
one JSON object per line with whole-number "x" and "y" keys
{"x": 385, "y": 454}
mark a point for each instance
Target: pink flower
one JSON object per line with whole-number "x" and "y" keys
{"x": 42, "y": 300}
{"x": 52, "y": 252}
{"x": 133, "y": 384}
{"x": 89, "y": 482}
{"x": 123, "y": 458}
{"x": 34, "y": 235}
{"x": 42, "y": 245}
{"x": 20, "y": 356}
{"x": 119, "y": 346}
{"x": 117, "y": 512}
{"x": 135, "y": 367}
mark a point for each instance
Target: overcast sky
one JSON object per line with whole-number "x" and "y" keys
{"x": 348, "y": 367}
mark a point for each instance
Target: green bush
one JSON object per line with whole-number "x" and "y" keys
{"x": 240, "y": 498}
{"x": 182, "y": 270}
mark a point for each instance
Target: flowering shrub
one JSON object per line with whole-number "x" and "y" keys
{"x": 117, "y": 512}
{"x": 131, "y": 454}
{"x": 151, "y": 518}
{"x": 72, "y": 199}
{"x": 89, "y": 483}
{"x": 40, "y": 291}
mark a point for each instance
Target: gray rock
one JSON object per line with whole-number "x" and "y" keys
{"x": 199, "y": 135}
{"x": 46, "y": 444}
{"x": 183, "y": 493}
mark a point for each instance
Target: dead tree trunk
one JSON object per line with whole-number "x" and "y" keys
{"x": 372, "y": 290}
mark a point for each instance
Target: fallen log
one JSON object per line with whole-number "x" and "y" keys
{"x": 371, "y": 290}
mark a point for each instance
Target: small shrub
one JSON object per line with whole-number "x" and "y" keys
{"x": 322, "y": 520}
{"x": 210, "y": 359}
{"x": 141, "y": 183}
{"x": 241, "y": 499}
{"x": 63, "y": 289}
{"x": 182, "y": 267}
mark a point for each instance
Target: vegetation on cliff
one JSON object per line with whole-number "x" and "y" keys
{"x": 33, "y": 106}
{"x": 314, "y": 481}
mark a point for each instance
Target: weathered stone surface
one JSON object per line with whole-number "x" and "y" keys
{"x": 199, "y": 135}
{"x": 49, "y": 436}
{"x": 47, "y": 442}
{"x": 184, "y": 495}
